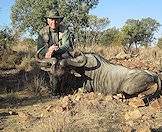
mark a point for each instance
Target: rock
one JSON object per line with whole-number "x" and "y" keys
{"x": 10, "y": 112}
{"x": 145, "y": 118}
{"x": 13, "y": 113}
{"x": 23, "y": 116}
{"x": 65, "y": 101}
{"x": 136, "y": 102}
{"x": 160, "y": 101}
{"x": 143, "y": 129}
{"x": 78, "y": 96}
{"x": 132, "y": 115}
{"x": 108, "y": 98}
{"x": 130, "y": 123}
{"x": 155, "y": 104}
{"x": 127, "y": 129}
{"x": 58, "y": 109}
{"x": 90, "y": 96}
{"x": 116, "y": 97}
{"x": 119, "y": 97}
{"x": 48, "y": 108}
{"x": 122, "y": 55}
{"x": 100, "y": 97}
{"x": 41, "y": 115}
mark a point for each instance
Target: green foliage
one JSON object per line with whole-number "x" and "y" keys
{"x": 29, "y": 14}
{"x": 6, "y": 35}
{"x": 110, "y": 36}
{"x": 97, "y": 23}
{"x": 139, "y": 32}
{"x": 7, "y": 39}
{"x": 93, "y": 32}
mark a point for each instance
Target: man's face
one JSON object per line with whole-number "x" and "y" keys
{"x": 53, "y": 23}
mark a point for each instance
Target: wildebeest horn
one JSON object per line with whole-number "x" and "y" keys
{"x": 79, "y": 61}
{"x": 51, "y": 60}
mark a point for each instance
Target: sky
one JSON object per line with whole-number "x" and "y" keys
{"x": 5, "y": 10}
{"x": 118, "y": 11}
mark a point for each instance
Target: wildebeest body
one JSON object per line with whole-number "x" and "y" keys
{"x": 98, "y": 74}
{"x": 102, "y": 76}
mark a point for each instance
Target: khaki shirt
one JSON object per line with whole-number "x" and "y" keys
{"x": 48, "y": 37}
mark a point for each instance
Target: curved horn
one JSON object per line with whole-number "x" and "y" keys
{"x": 50, "y": 60}
{"x": 78, "y": 61}
{"x": 37, "y": 55}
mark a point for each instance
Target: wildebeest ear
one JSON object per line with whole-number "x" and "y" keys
{"x": 78, "y": 61}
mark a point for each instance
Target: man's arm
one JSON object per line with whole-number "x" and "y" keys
{"x": 47, "y": 51}
{"x": 65, "y": 43}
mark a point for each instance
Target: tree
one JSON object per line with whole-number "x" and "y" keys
{"x": 95, "y": 28}
{"x": 139, "y": 32}
{"x": 110, "y": 36}
{"x": 29, "y": 14}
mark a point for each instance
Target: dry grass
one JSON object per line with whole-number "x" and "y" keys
{"x": 149, "y": 58}
{"x": 24, "y": 46}
{"x": 18, "y": 56}
{"x": 106, "y": 51}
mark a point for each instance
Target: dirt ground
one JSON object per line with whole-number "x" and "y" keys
{"x": 25, "y": 109}
{"x": 78, "y": 112}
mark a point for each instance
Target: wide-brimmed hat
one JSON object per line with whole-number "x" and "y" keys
{"x": 54, "y": 14}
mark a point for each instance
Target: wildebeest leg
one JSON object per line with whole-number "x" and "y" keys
{"x": 151, "y": 89}
{"x": 151, "y": 94}
{"x": 54, "y": 83}
{"x": 137, "y": 83}
{"x": 62, "y": 81}
{"x": 87, "y": 86}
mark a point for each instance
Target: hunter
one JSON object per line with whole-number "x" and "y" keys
{"x": 55, "y": 37}
{"x": 57, "y": 40}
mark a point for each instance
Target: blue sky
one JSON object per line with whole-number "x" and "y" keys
{"x": 5, "y": 10}
{"x": 118, "y": 11}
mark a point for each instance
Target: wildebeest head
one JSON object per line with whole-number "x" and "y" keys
{"x": 59, "y": 67}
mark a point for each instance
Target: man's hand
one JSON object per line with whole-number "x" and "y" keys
{"x": 51, "y": 49}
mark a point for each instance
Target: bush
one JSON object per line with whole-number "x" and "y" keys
{"x": 6, "y": 36}
{"x": 159, "y": 44}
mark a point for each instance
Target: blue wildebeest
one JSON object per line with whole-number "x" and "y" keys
{"x": 98, "y": 74}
